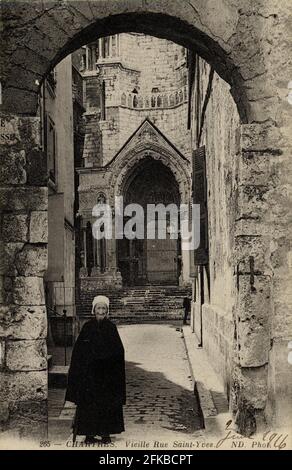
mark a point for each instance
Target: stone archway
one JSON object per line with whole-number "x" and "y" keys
{"x": 35, "y": 38}
{"x": 178, "y": 168}
{"x": 45, "y": 34}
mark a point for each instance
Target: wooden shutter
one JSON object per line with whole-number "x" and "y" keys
{"x": 201, "y": 254}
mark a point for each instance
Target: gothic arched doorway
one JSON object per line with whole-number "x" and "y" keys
{"x": 150, "y": 261}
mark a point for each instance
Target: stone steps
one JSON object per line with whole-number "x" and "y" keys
{"x": 58, "y": 376}
{"x": 149, "y": 302}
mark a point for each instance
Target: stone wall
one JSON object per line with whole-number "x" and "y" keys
{"x": 219, "y": 127}
{"x": 60, "y": 276}
{"x": 122, "y": 123}
{"x": 245, "y": 328}
{"x": 145, "y": 63}
{"x": 24, "y": 236}
{"x": 161, "y": 63}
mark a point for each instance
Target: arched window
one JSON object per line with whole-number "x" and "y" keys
{"x": 124, "y": 99}
{"x": 135, "y": 101}
{"x": 171, "y": 100}
{"x": 176, "y": 98}
{"x": 159, "y": 101}
{"x": 130, "y": 100}
{"x": 83, "y": 62}
{"x": 105, "y": 45}
{"x": 97, "y": 53}
{"x": 180, "y": 96}
{"x": 101, "y": 199}
{"x": 153, "y": 101}
{"x": 114, "y": 46}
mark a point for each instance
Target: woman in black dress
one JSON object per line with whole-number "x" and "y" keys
{"x": 96, "y": 379}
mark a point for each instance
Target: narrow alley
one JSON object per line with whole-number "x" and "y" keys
{"x": 161, "y": 405}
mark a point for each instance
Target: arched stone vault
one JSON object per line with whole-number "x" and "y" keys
{"x": 45, "y": 33}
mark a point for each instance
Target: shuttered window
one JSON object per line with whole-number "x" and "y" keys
{"x": 199, "y": 189}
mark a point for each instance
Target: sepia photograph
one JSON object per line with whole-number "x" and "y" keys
{"x": 146, "y": 227}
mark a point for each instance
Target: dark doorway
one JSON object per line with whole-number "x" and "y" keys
{"x": 150, "y": 261}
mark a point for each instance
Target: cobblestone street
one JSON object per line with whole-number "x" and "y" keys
{"x": 161, "y": 405}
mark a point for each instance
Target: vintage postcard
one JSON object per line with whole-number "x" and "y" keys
{"x": 145, "y": 204}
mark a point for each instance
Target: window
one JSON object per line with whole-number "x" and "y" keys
{"x": 201, "y": 254}
{"x": 103, "y": 108}
{"x": 105, "y": 47}
{"x": 114, "y": 46}
{"x": 135, "y": 101}
{"x": 171, "y": 100}
{"x": 52, "y": 80}
{"x": 124, "y": 99}
{"x": 83, "y": 62}
{"x": 50, "y": 147}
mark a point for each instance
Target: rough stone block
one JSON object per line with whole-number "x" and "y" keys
{"x": 248, "y": 227}
{"x": 254, "y": 168}
{"x": 254, "y": 302}
{"x": 261, "y": 138}
{"x": 254, "y": 342}
{"x": 36, "y": 40}
{"x": 23, "y": 322}
{"x": 282, "y": 319}
{"x": 251, "y": 246}
{"x": 252, "y": 385}
{"x": 23, "y": 386}
{"x": 12, "y": 170}
{"x": 30, "y": 418}
{"x": 24, "y": 78}
{"x": 252, "y": 201}
{"x": 20, "y": 101}
{"x": 21, "y": 12}
{"x": 31, "y": 261}
{"x": 75, "y": 18}
{"x": 5, "y": 290}
{"x": 30, "y": 131}
{"x": 28, "y": 291}
{"x": 38, "y": 230}
{"x": 26, "y": 355}
{"x": 24, "y": 198}
{"x": 8, "y": 255}
{"x": 36, "y": 168}
{"x": 83, "y": 8}
{"x": 253, "y": 325}
{"x": 37, "y": 64}
{"x": 15, "y": 228}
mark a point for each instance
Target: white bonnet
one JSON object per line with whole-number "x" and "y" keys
{"x": 100, "y": 299}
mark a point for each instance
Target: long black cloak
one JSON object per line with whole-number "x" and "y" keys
{"x": 96, "y": 379}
